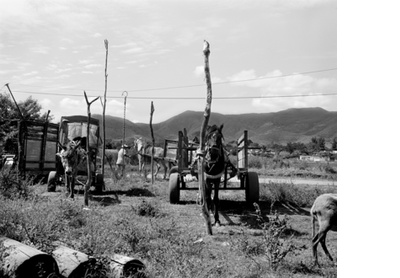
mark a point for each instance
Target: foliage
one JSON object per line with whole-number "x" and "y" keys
{"x": 12, "y": 186}
{"x": 274, "y": 244}
{"x": 334, "y": 144}
{"x": 317, "y": 144}
{"x": 290, "y": 193}
{"x": 145, "y": 208}
{"x": 166, "y": 237}
{"x": 298, "y": 147}
{"x": 30, "y": 109}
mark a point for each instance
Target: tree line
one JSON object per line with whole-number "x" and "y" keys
{"x": 9, "y": 117}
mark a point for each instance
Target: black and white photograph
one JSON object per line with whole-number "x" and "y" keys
{"x": 174, "y": 138}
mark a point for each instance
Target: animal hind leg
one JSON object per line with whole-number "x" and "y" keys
{"x": 316, "y": 239}
{"x": 324, "y": 247}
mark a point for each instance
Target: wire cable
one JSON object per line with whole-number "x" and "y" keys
{"x": 184, "y": 86}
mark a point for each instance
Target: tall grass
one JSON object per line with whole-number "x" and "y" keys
{"x": 292, "y": 167}
{"x": 141, "y": 224}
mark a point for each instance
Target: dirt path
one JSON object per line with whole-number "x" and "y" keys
{"x": 291, "y": 180}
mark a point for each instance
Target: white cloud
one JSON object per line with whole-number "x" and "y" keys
{"x": 132, "y": 50}
{"x": 277, "y": 83}
{"x": 31, "y": 73}
{"x": 70, "y": 103}
{"x": 199, "y": 71}
{"x": 46, "y": 103}
{"x": 90, "y": 66}
{"x": 84, "y": 61}
{"x": 40, "y": 49}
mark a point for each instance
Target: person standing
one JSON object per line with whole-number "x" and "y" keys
{"x": 121, "y": 159}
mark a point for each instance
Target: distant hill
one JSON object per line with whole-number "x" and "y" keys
{"x": 291, "y": 125}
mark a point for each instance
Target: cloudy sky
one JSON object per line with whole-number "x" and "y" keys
{"x": 266, "y": 55}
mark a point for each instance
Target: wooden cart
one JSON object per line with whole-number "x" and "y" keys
{"x": 37, "y": 147}
{"x": 182, "y": 152}
{"x": 76, "y": 126}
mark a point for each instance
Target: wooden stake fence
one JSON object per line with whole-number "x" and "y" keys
{"x": 207, "y": 113}
{"x": 103, "y": 154}
{"x": 88, "y": 154}
{"x": 152, "y": 142}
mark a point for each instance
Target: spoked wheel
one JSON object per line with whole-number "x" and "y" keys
{"x": 252, "y": 187}
{"x": 174, "y": 180}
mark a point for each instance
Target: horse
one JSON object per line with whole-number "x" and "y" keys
{"x": 144, "y": 156}
{"x": 73, "y": 159}
{"x": 215, "y": 160}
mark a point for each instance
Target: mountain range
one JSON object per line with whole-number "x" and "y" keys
{"x": 291, "y": 125}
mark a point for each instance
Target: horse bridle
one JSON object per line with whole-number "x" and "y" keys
{"x": 217, "y": 146}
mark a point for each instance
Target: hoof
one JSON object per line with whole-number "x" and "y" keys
{"x": 217, "y": 224}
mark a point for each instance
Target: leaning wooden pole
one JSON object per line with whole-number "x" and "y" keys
{"x": 152, "y": 143}
{"x": 103, "y": 153}
{"x": 88, "y": 153}
{"x": 207, "y": 113}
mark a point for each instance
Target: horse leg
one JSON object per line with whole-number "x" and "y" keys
{"x": 68, "y": 185}
{"x": 73, "y": 179}
{"x": 208, "y": 195}
{"x": 216, "y": 202}
{"x": 165, "y": 169}
{"x": 157, "y": 167}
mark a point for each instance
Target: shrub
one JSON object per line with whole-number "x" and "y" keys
{"x": 255, "y": 162}
{"x": 12, "y": 186}
{"x": 274, "y": 245}
{"x": 291, "y": 193}
{"x": 145, "y": 208}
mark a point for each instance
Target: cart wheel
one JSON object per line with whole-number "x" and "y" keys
{"x": 252, "y": 188}
{"x": 174, "y": 188}
{"x": 99, "y": 185}
{"x": 174, "y": 169}
{"x": 51, "y": 181}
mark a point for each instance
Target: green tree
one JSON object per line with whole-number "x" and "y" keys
{"x": 334, "y": 144}
{"x": 9, "y": 116}
{"x": 317, "y": 144}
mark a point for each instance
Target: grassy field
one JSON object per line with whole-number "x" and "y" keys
{"x": 133, "y": 217}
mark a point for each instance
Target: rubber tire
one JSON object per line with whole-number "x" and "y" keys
{"x": 99, "y": 185}
{"x": 252, "y": 188}
{"x": 174, "y": 192}
{"x": 52, "y": 181}
{"x": 173, "y": 169}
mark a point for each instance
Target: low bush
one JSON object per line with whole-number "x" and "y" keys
{"x": 290, "y": 193}
{"x": 12, "y": 186}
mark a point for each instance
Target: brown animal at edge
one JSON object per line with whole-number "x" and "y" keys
{"x": 324, "y": 210}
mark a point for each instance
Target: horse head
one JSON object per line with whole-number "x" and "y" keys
{"x": 138, "y": 144}
{"x": 71, "y": 156}
{"x": 214, "y": 155}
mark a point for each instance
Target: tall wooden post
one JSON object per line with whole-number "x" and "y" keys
{"x": 124, "y": 94}
{"x": 103, "y": 154}
{"x": 207, "y": 113}
{"x": 152, "y": 142}
{"x": 88, "y": 154}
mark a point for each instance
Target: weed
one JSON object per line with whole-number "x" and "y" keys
{"x": 275, "y": 192}
{"x": 12, "y": 186}
{"x": 145, "y": 208}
